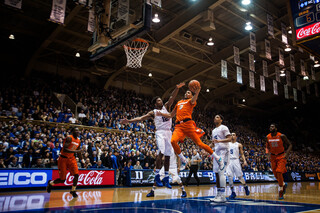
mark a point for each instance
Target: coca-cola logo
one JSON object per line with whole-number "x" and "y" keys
{"x": 91, "y": 178}
{"x": 308, "y": 31}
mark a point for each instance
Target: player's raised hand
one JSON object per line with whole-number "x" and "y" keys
{"x": 197, "y": 89}
{"x": 180, "y": 85}
{"x": 124, "y": 121}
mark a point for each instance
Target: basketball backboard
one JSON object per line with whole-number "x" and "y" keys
{"x": 128, "y": 19}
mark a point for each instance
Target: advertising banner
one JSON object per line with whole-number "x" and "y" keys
{"x": 146, "y": 177}
{"x": 30, "y": 178}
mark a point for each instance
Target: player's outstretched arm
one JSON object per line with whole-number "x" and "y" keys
{"x": 196, "y": 94}
{"x": 288, "y": 143}
{"x": 173, "y": 96}
{"x": 167, "y": 115}
{"x": 147, "y": 116}
{"x": 242, "y": 155}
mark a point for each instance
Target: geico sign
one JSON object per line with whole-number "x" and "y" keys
{"x": 22, "y": 178}
{"x": 21, "y": 202}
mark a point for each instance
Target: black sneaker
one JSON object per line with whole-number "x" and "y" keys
{"x": 49, "y": 186}
{"x": 74, "y": 194}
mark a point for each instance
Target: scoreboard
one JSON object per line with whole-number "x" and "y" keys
{"x": 306, "y": 18}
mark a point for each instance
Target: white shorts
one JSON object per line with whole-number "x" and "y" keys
{"x": 234, "y": 168}
{"x": 173, "y": 173}
{"x": 224, "y": 154}
{"x": 163, "y": 140}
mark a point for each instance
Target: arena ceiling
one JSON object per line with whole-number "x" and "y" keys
{"x": 180, "y": 58}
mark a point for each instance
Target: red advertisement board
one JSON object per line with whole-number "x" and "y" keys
{"x": 88, "y": 178}
{"x": 308, "y": 31}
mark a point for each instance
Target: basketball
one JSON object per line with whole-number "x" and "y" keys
{"x": 193, "y": 85}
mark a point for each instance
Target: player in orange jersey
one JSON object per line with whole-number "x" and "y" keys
{"x": 185, "y": 126}
{"x": 277, "y": 155}
{"x": 67, "y": 161}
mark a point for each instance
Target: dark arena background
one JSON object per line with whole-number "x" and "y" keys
{"x": 75, "y": 71}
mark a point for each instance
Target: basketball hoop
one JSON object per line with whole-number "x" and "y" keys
{"x": 135, "y": 51}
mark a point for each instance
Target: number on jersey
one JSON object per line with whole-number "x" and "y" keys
{"x": 164, "y": 119}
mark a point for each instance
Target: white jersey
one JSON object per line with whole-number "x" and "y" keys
{"x": 162, "y": 123}
{"x": 221, "y": 132}
{"x": 234, "y": 150}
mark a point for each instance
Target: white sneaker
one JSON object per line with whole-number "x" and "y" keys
{"x": 221, "y": 163}
{"x": 183, "y": 164}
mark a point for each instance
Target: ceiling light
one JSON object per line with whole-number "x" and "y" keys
{"x": 290, "y": 31}
{"x": 248, "y": 26}
{"x": 210, "y": 42}
{"x": 295, "y": 107}
{"x": 288, "y": 48}
{"x": 305, "y": 77}
{"x": 208, "y": 90}
{"x": 156, "y": 18}
{"x": 245, "y": 2}
{"x": 243, "y": 100}
{"x": 316, "y": 65}
{"x": 11, "y": 36}
{"x": 77, "y": 54}
{"x": 282, "y": 73}
{"x": 150, "y": 74}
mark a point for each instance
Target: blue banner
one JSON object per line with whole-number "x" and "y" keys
{"x": 24, "y": 178}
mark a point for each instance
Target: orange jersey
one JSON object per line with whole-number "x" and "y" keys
{"x": 275, "y": 144}
{"x": 184, "y": 109}
{"x": 75, "y": 143}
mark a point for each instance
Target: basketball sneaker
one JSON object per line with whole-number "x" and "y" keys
{"x": 150, "y": 194}
{"x": 184, "y": 194}
{"x": 184, "y": 162}
{"x": 233, "y": 195}
{"x": 74, "y": 194}
{"x": 165, "y": 181}
{"x": 281, "y": 195}
{"x": 49, "y": 186}
{"x": 221, "y": 163}
{"x": 247, "y": 190}
{"x": 285, "y": 188}
{"x": 158, "y": 181}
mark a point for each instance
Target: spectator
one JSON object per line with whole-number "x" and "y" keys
{"x": 137, "y": 166}
{"x": 2, "y": 165}
{"x": 14, "y": 163}
{"x": 38, "y": 164}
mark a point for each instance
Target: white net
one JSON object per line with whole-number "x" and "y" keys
{"x": 135, "y": 51}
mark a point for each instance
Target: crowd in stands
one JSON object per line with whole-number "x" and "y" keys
{"x": 132, "y": 146}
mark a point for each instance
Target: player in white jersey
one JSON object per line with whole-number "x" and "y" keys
{"x": 221, "y": 137}
{"x": 163, "y": 134}
{"x": 234, "y": 168}
{"x": 174, "y": 171}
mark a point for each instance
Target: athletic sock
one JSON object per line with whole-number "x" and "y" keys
{"x": 157, "y": 171}
{"x": 232, "y": 189}
{"x": 182, "y": 188}
{"x": 153, "y": 188}
{"x": 73, "y": 188}
{"x": 166, "y": 174}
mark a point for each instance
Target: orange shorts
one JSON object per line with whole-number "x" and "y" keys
{"x": 186, "y": 129}
{"x": 278, "y": 164}
{"x": 65, "y": 164}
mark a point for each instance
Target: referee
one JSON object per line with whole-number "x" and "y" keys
{"x": 195, "y": 160}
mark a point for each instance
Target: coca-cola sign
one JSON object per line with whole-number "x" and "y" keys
{"x": 88, "y": 178}
{"x": 308, "y": 31}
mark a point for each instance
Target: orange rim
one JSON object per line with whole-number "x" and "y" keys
{"x": 136, "y": 48}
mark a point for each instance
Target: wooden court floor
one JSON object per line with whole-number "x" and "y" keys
{"x": 129, "y": 199}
